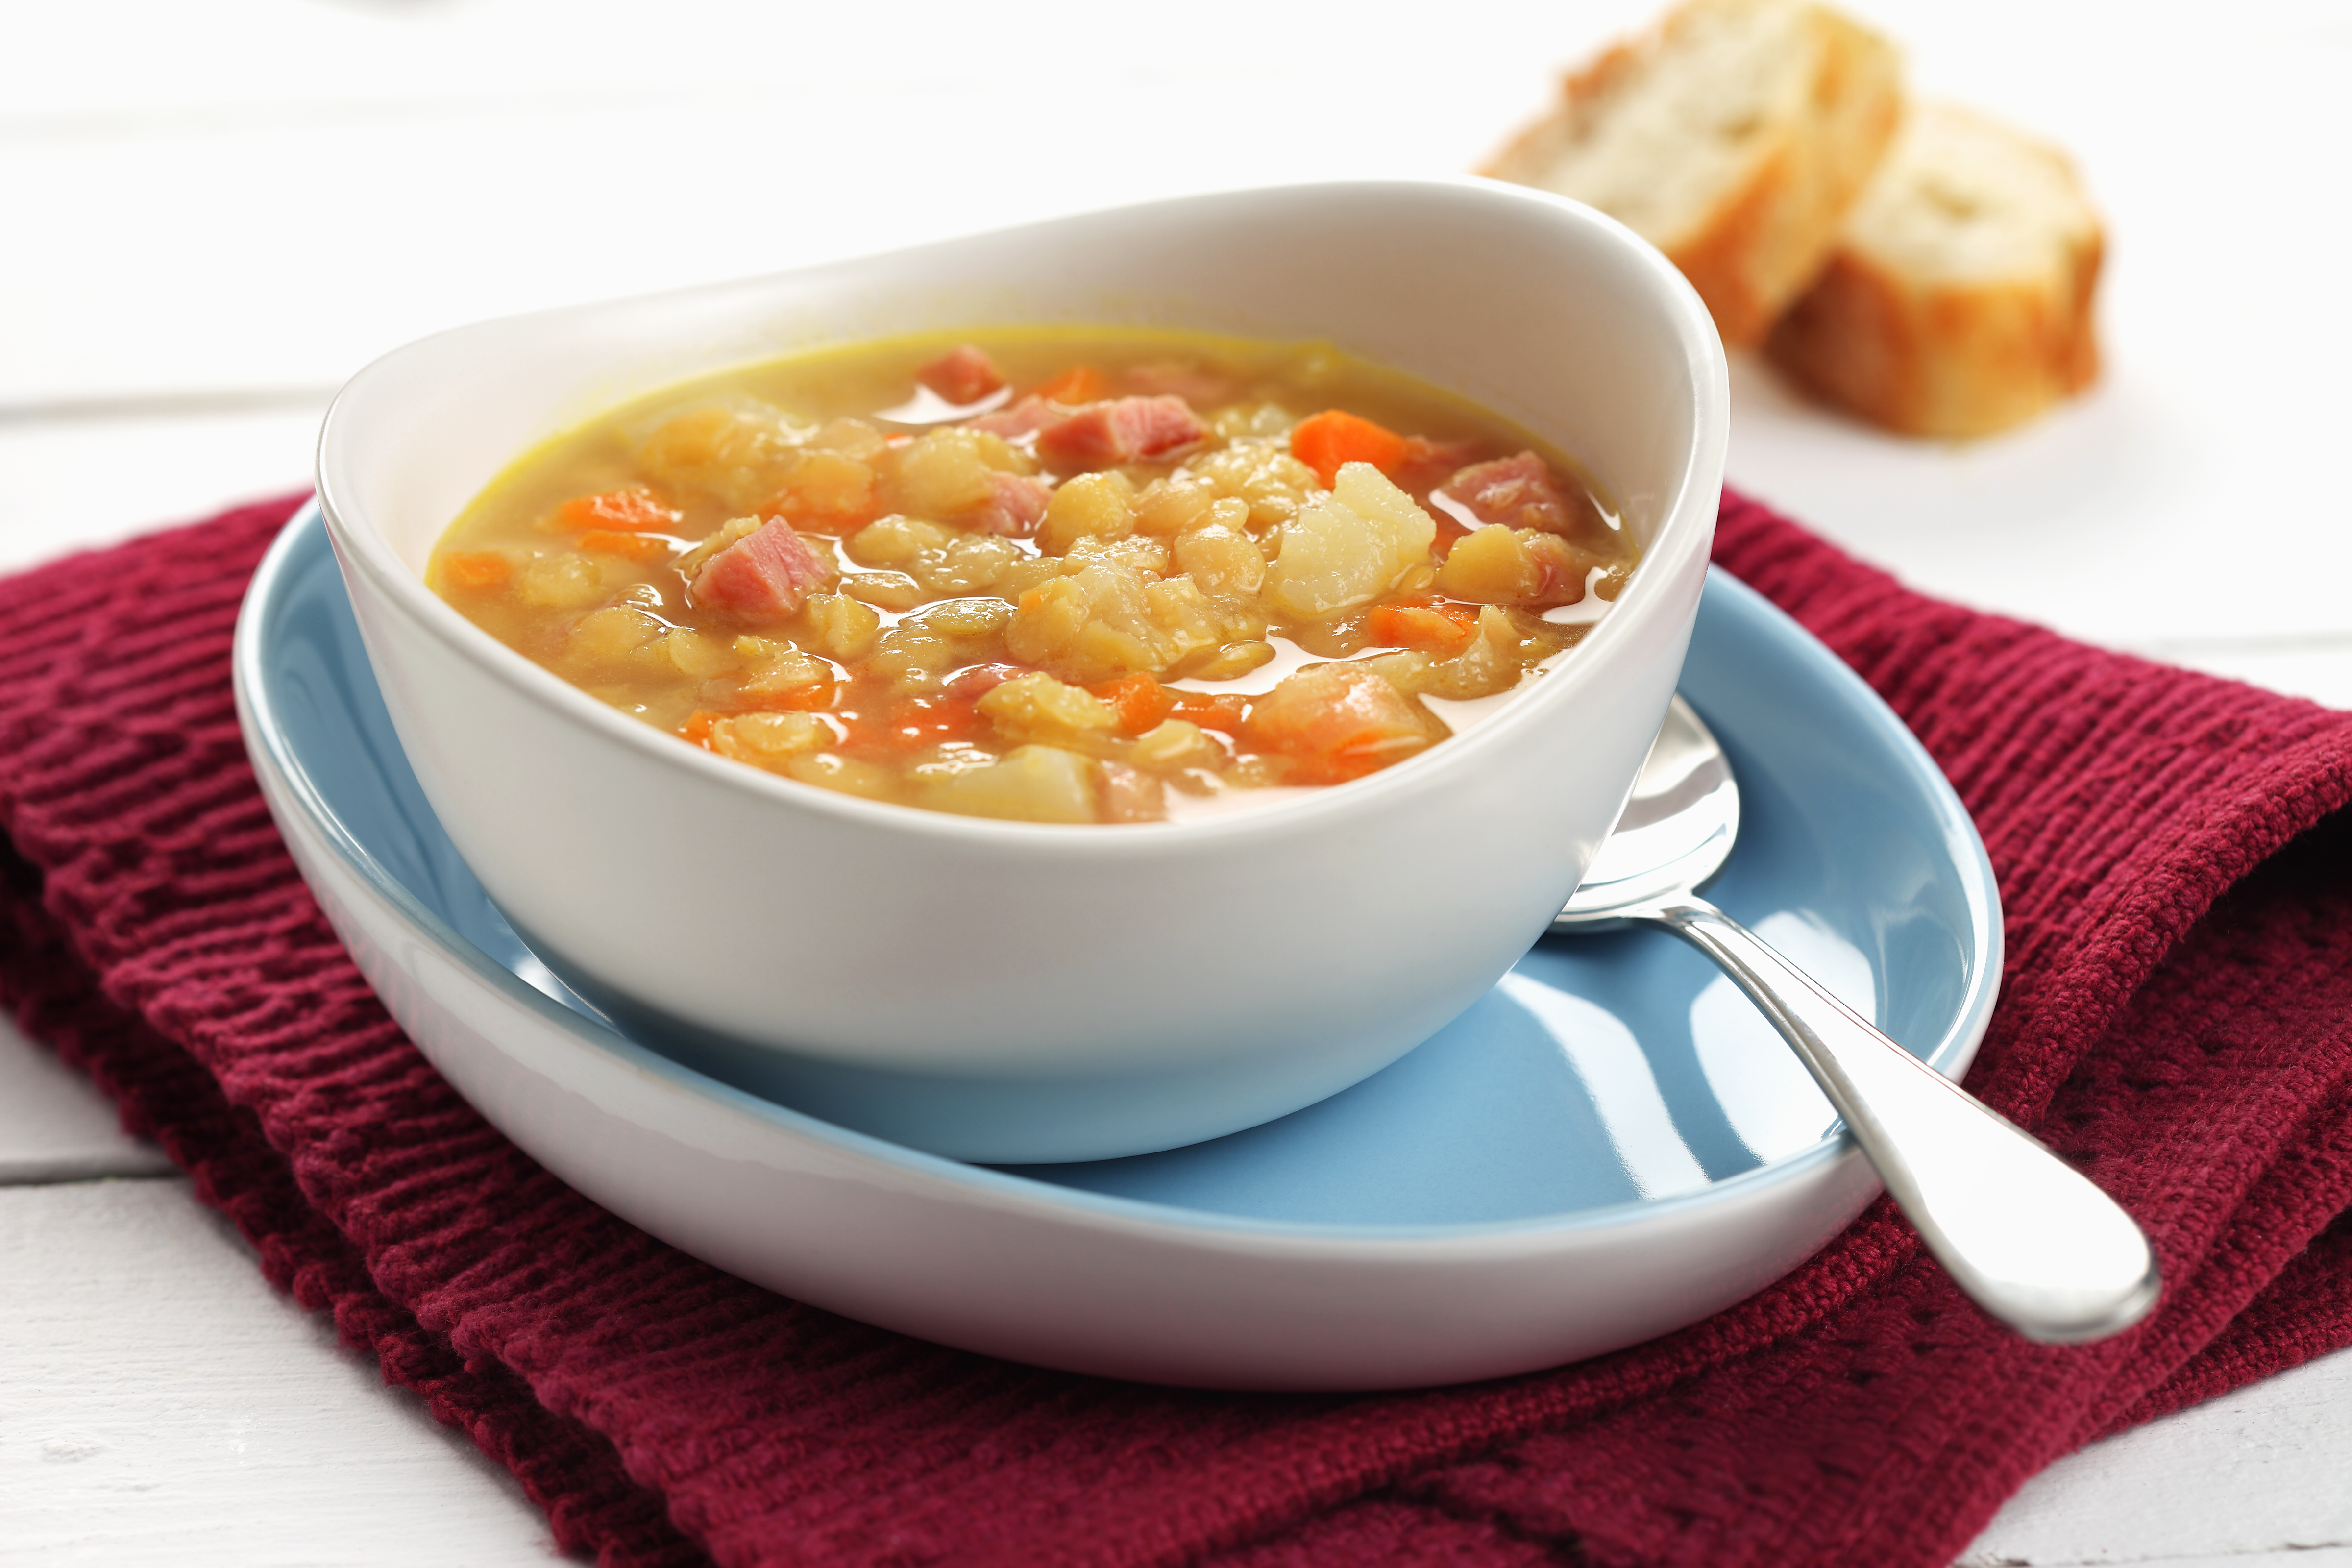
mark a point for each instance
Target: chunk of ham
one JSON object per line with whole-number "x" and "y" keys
{"x": 1517, "y": 492}
{"x": 1016, "y": 503}
{"x": 963, "y": 375}
{"x": 1105, "y": 435}
{"x": 1427, "y": 463}
{"x": 1024, "y": 418}
{"x": 765, "y": 576}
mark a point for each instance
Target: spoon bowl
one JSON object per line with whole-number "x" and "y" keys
{"x": 2030, "y": 1240}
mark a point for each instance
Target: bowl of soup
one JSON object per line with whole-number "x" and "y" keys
{"x": 1058, "y": 693}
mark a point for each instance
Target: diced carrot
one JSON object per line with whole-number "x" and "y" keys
{"x": 635, "y": 546}
{"x": 631, "y": 508}
{"x": 1326, "y": 441}
{"x": 917, "y": 721}
{"x": 477, "y": 569}
{"x": 1440, "y": 624}
{"x": 697, "y": 728}
{"x": 1218, "y": 711}
{"x": 1079, "y": 383}
{"x": 1139, "y": 701}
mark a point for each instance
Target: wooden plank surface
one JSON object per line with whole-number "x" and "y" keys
{"x": 219, "y": 212}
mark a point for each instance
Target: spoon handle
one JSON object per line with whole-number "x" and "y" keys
{"x": 2029, "y": 1238}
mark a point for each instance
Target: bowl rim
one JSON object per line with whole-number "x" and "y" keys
{"x": 1686, "y": 528}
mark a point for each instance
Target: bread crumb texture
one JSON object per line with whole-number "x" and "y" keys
{"x": 1958, "y": 302}
{"x": 1735, "y": 138}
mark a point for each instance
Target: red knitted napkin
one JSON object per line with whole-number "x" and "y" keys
{"x": 2177, "y": 1018}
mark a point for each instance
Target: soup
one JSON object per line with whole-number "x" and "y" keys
{"x": 1045, "y": 574}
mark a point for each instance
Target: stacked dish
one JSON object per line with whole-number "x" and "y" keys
{"x": 1606, "y": 1145}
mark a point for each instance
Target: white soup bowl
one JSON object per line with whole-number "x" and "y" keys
{"x": 1013, "y": 991}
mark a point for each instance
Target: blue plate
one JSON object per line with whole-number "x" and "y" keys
{"x": 1603, "y": 1071}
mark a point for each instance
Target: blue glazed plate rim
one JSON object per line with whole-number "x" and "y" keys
{"x": 1955, "y": 832}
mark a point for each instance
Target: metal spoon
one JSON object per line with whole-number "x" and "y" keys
{"x": 2033, "y": 1242}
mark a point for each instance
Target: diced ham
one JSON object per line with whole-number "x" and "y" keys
{"x": 1428, "y": 462}
{"x": 962, "y": 375}
{"x": 1016, "y": 503}
{"x": 1105, "y": 435}
{"x": 1517, "y": 492}
{"x": 764, "y": 575}
{"x": 1025, "y": 417}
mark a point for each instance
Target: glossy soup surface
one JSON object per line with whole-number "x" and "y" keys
{"x": 1044, "y": 574}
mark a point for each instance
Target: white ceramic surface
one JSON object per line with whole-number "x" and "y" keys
{"x": 1609, "y": 1144}
{"x": 1008, "y": 991}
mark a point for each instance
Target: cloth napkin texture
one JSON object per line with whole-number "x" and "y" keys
{"x": 2176, "y": 1019}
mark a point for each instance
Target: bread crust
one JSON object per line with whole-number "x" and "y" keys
{"x": 1763, "y": 232}
{"x": 1929, "y": 350}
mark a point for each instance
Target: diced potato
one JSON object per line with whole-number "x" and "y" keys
{"x": 1501, "y": 648}
{"x": 1174, "y": 743}
{"x": 850, "y": 438}
{"x": 738, "y": 454}
{"x": 963, "y": 619}
{"x": 1143, "y": 556}
{"x": 1350, "y": 547}
{"x": 897, "y": 541}
{"x": 1169, "y": 506}
{"x": 564, "y": 582}
{"x": 1036, "y": 701}
{"x": 1339, "y": 721}
{"x": 971, "y": 563}
{"x": 826, "y": 492}
{"x": 699, "y": 654}
{"x": 1494, "y": 565}
{"x": 785, "y": 673}
{"x": 1221, "y": 560}
{"x": 1265, "y": 476}
{"x": 944, "y": 473}
{"x": 1028, "y": 784}
{"x": 611, "y": 635}
{"x": 842, "y": 629}
{"x": 1099, "y": 505}
{"x": 1109, "y": 620}
{"x": 911, "y": 655}
{"x": 943, "y": 559}
{"x": 1046, "y": 623}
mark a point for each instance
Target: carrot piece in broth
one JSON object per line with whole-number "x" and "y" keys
{"x": 1323, "y": 441}
{"x": 477, "y": 569}
{"x": 633, "y": 509}
{"x": 1438, "y": 624}
{"x": 634, "y": 546}
{"x": 1138, "y": 700}
{"x": 1079, "y": 383}
{"x": 1218, "y": 711}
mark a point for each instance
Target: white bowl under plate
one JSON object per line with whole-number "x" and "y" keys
{"x": 1006, "y": 990}
{"x": 1608, "y": 1146}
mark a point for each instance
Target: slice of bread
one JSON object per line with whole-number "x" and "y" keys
{"x": 1734, "y": 138}
{"x": 1959, "y": 300}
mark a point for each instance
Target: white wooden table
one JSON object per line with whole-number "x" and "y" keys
{"x": 209, "y": 216}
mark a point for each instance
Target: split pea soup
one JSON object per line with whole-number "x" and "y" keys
{"x": 1045, "y": 574}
